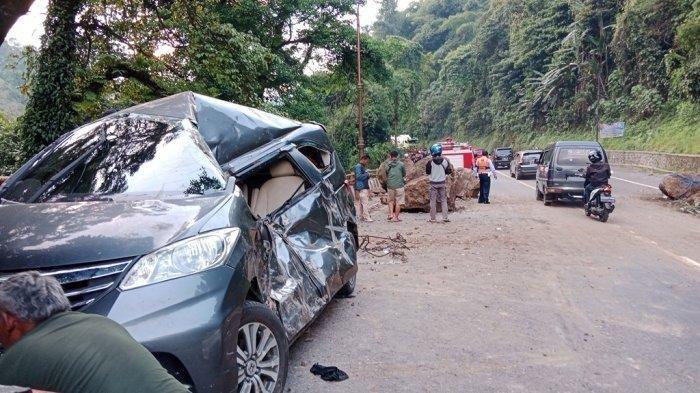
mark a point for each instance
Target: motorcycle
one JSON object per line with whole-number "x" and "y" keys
{"x": 601, "y": 203}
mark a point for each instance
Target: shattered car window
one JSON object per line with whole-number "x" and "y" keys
{"x": 135, "y": 155}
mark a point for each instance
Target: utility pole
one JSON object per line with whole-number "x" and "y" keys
{"x": 360, "y": 139}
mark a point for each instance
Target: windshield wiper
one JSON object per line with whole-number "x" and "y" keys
{"x": 69, "y": 168}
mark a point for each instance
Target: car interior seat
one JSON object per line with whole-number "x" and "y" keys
{"x": 284, "y": 184}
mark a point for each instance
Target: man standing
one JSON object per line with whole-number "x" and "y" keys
{"x": 484, "y": 168}
{"x": 53, "y": 349}
{"x": 395, "y": 182}
{"x": 437, "y": 170}
{"x": 362, "y": 189}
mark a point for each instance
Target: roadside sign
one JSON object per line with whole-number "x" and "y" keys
{"x": 611, "y": 130}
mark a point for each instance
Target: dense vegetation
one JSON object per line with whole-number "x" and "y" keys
{"x": 529, "y": 71}
{"x": 520, "y": 72}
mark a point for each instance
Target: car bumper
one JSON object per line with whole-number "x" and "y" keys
{"x": 525, "y": 171}
{"x": 501, "y": 163}
{"x": 186, "y": 323}
{"x": 565, "y": 191}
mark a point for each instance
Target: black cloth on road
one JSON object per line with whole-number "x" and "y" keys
{"x": 330, "y": 373}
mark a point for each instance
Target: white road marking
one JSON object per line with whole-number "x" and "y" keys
{"x": 508, "y": 176}
{"x": 614, "y": 177}
{"x": 681, "y": 258}
{"x": 634, "y": 182}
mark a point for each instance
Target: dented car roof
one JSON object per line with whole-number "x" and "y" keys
{"x": 229, "y": 129}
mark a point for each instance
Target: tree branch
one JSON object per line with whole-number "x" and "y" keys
{"x": 10, "y": 11}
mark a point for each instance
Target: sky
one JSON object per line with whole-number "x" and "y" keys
{"x": 29, "y": 28}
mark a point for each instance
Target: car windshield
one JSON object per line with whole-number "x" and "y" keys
{"x": 127, "y": 156}
{"x": 529, "y": 158}
{"x": 503, "y": 153}
{"x": 573, "y": 156}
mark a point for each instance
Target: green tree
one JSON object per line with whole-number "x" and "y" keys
{"x": 49, "y": 111}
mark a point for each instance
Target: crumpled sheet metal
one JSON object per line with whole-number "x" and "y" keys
{"x": 313, "y": 250}
{"x": 229, "y": 129}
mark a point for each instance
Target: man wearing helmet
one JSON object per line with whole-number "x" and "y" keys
{"x": 437, "y": 170}
{"x": 597, "y": 174}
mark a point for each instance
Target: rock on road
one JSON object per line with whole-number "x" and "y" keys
{"x": 519, "y": 297}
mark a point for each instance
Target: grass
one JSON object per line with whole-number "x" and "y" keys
{"x": 677, "y": 133}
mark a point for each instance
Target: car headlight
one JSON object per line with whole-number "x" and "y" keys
{"x": 182, "y": 258}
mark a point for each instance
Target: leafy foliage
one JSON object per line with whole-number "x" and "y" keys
{"x": 49, "y": 112}
{"x": 510, "y": 67}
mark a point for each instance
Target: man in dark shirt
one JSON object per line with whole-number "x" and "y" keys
{"x": 597, "y": 174}
{"x": 51, "y": 348}
{"x": 362, "y": 189}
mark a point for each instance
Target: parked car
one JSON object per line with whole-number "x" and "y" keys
{"x": 561, "y": 169}
{"x": 214, "y": 233}
{"x": 524, "y": 163}
{"x": 502, "y": 157}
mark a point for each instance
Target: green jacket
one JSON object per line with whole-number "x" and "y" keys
{"x": 395, "y": 172}
{"x": 74, "y": 352}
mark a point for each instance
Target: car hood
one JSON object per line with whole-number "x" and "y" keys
{"x": 58, "y": 234}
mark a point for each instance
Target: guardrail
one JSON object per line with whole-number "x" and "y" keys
{"x": 655, "y": 160}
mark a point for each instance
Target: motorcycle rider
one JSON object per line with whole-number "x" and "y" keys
{"x": 597, "y": 174}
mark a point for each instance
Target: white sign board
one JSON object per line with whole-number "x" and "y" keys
{"x": 611, "y": 130}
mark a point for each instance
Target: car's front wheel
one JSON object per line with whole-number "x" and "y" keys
{"x": 262, "y": 353}
{"x": 348, "y": 288}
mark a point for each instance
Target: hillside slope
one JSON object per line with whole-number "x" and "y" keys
{"x": 536, "y": 70}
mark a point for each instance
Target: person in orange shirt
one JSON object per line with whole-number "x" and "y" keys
{"x": 484, "y": 168}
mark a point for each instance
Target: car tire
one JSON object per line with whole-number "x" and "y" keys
{"x": 347, "y": 289}
{"x": 260, "y": 321}
{"x": 538, "y": 194}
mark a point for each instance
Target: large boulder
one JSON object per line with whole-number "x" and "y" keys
{"x": 680, "y": 185}
{"x": 416, "y": 169}
{"x": 460, "y": 184}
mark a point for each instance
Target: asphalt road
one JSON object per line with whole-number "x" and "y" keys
{"x": 520, "y": 297}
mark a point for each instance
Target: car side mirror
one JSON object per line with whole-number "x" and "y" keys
{"x": 230, "y": 184}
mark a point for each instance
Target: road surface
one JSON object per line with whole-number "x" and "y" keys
{"x": 520, "y": 297}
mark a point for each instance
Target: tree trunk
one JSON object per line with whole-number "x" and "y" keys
{"x": 49, "y": 112}
{"x": 10, "y": 11}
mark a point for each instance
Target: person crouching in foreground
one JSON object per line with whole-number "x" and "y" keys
{"x": 51, "y": 348}
{"x": 437, "y": 170}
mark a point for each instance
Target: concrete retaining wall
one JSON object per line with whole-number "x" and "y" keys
{"x": 654, "y": 160}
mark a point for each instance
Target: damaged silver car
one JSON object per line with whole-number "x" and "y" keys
{"x": 215, "y": 233}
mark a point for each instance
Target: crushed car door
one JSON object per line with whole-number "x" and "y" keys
{"x": 313, "y": 252}
{"x": 315, "y": 228}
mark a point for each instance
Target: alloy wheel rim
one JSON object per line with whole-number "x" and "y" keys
{"x": 258, "y": 359}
